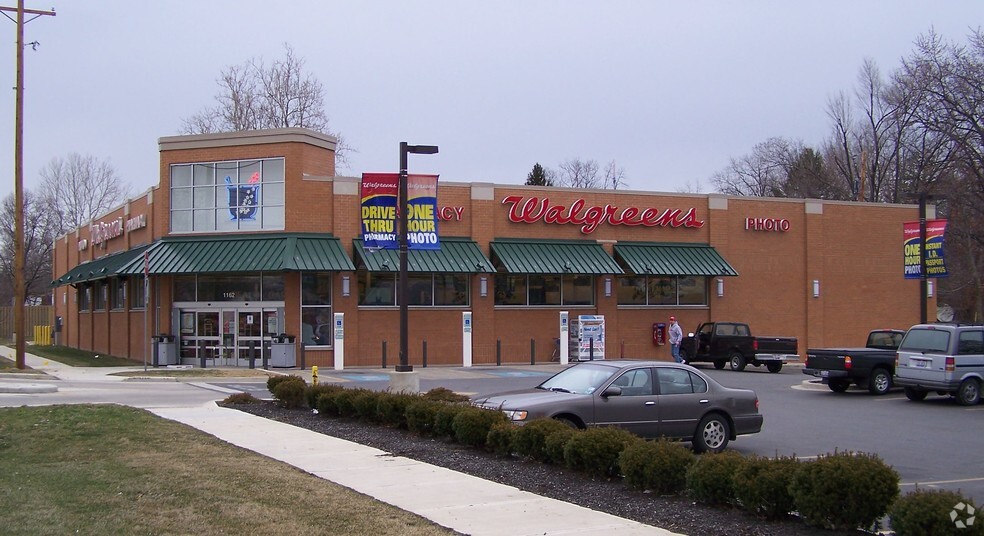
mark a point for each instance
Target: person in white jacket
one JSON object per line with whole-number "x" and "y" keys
{"x": 676, "y": 337}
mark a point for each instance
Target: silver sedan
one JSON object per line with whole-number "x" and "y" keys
{"x": 649, "y": 398}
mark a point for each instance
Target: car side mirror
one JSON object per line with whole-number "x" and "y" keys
{"x": 613, "y": 390}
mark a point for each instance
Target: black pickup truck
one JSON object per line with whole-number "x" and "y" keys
{"x": 732, "y": 343}
{"x": 872, "y": 366}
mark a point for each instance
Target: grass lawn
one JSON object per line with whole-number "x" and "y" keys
{"x": 78, "y": 358}
{"x": 107, "y": 469}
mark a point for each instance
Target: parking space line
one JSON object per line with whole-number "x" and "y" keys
{"x": 940, "y": 482}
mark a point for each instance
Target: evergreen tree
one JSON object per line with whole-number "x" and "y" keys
{"x": 539, "y": 177}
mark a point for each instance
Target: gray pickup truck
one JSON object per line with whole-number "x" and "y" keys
{"x": 871, "y": 367}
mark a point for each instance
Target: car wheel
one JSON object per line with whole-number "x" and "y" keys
{"x": 571, "y": 424}
{"x": 915, "y": 394}
{"x": 879, "y": 382}
{"x": 774, "y": 367}
{"x": 838, "y": 386}
{"x": 969, "y": 392}
{"x": 712, "y": 434}
{"x": 737, "y": 362}
{"x": 719, "y": 364}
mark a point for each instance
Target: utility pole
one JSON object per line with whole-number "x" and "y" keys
{"x": 19, "y": 177}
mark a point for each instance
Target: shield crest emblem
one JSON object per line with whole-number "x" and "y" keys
{"x": 244, "y": 199}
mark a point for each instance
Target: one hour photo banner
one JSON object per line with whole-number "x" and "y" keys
{"x": 935, "y": 263}
{"x": 380, "y": 196}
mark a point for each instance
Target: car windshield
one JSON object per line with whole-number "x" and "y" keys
{"x": 579, "y": 379}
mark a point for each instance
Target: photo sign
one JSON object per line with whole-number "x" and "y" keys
{"x": 935, "y": 264}
{"x": 380, "y": 195}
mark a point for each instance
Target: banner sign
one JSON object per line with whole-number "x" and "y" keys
{"x": 935, "y": 265}
{"x": 380, "y": 196}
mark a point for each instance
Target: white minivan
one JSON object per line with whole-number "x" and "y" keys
{"x": 944, "y": 358}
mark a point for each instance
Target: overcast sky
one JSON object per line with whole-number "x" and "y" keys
{"x": 668, "y": 90}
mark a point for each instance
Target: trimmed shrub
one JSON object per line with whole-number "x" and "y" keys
{"x": 555, "y": 442}
{"x": 314, "y": 391}
{"x": 345, "y": 402}
{"x": 531, "y": 439}
{"x": 290, "y": 394}
{"x": 241, "y": 398}
{"x": 273, "y": 381}
{"x": 327, "y": 403}
{"x": 443, "y": 394}
{"x": 444, "y": 419}
{"x": 366, "y": 404}
{"x": 762, "y": 486}
{"x": 844, "y": 490}
{"x": 660, "y": 466}
{"x": 500, "y": 438}
{"x": 421, "y": 414}
{"x": 471, "y": 425}
{"x": 596, "y": 450}
{"x": 928, "y": 513}
{"x": 711, "y": 479}
{"x": 392, "y": 408}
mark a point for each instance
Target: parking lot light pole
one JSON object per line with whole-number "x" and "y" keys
{"x": 404, "y": 294}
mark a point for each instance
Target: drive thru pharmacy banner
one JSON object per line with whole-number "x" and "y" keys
{"x": 380, "y": 196}
{"x": 935, "y": 264}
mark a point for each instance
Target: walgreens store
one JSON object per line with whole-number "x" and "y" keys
{"x": 251, "y": 235}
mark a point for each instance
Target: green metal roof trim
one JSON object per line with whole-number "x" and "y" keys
{"x": 648, "y": 258}
{"x": 274, "y": 252}
{"x": 107, "y": 266}
{"x": 554, "y": 257}
{"x": 457, "y": 255}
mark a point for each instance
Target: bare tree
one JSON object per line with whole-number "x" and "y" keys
{"x": 577, "y": 173}
{"x": 41, "y": 228}
{"x": 255, "y": 95}
{"x": 614, "y": 177}
{"x": 80, "y": 188}
{"x": 762, "y": 173}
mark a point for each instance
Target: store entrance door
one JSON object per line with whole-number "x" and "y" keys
{"x": 229, "y": 336}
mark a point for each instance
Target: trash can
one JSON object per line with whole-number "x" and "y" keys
{"x": 166, "y": 350}
{"x": 282, "y": 351}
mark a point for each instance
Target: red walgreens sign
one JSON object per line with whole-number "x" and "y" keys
{"x": 589, "y": 218}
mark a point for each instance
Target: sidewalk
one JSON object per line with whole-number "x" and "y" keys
{"x": 461, "y": 502}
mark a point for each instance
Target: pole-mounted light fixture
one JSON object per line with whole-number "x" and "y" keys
{"x": 406, "y": 149}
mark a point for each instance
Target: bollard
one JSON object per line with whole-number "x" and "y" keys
{"x": 621, "y": 350}
{"x": 201, "y": 353}
{"x": 155, "y": 351}
{"x": 303, "y": 355}
{"x": 266, "y": 356}
{"x": 252, "y": 354}
{"x": 314, "y": 375}
{"x": 425, "y": 353}
{"x": 532, "y": 351}
{"x": 498, "y": 352}
{"x": 384, "y": 354}
{"x": 590, "y": 349}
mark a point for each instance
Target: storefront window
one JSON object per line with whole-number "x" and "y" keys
{"x": 273, "y": 287}
{"x": 424, "y": 289}
{"x": 316, "y": 314}
{"x": 99, "y": 296}
{"x": 662, "y": 290}
{"x": 118, "y": 294}
{"x": 544, "y": 290}
{"x": 84, "y": 296}
{"x": 228, "y": 196}
{"x": 184, "y": 288}
{"x": 136, "y": 291}
{"x": 228, "y": 287}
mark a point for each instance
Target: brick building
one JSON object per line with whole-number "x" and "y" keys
{"x": 250, "y": 234}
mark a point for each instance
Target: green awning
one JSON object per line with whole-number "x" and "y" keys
{"x": 457, "y": 255}
{"x": 275, "y": 252}
{"x": 553, "y": 257}
{"x": 648, "y": 258}
{"x": 108, "y": 266}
